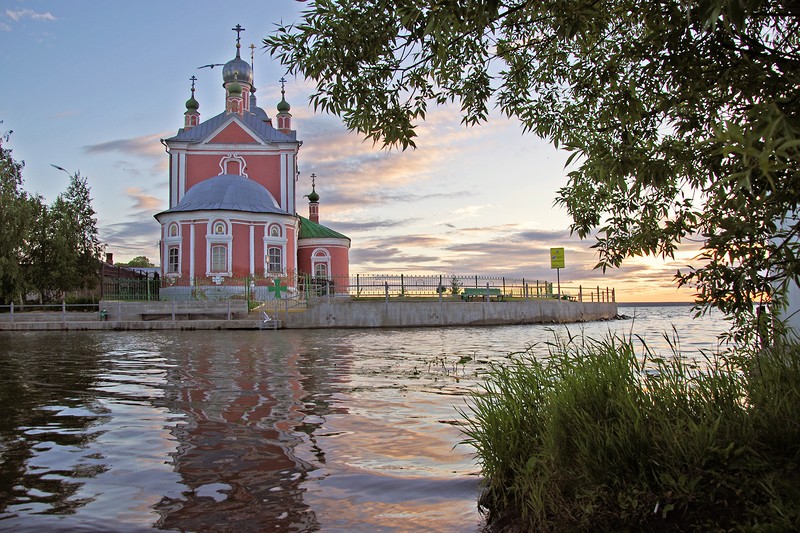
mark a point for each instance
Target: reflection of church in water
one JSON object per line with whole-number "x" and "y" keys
{"x": 232, "y": 189}
{"x": 243, "y": 443}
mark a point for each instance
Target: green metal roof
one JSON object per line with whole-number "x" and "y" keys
{"x": 312, "y": 230}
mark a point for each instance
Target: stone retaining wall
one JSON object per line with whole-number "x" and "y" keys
{"x": 343, "y": 313}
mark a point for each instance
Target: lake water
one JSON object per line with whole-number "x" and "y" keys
{"x": 303, "y": 430}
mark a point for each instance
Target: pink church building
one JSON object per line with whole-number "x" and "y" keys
{"x": 232, "y": 196}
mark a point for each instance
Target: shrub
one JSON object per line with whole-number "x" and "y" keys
{"x": 593, "y": 437}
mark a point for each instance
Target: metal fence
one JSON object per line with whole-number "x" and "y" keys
{"x": 367, "y": 286}
{"x": 61, "y": 312}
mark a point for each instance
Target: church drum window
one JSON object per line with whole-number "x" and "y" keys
{"x": 321, "y": 271}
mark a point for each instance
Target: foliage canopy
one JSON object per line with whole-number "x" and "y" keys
{"x": 681, "y": 116}
{"x": 47, "y": 249}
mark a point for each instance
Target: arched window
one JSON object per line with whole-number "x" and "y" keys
{"x": 219, "y": 258}
{"x": 274, "y": 260}
{"x": 321, "y": 263}
{"x": 173, "y": 260}
{"x": 173, "y": 230}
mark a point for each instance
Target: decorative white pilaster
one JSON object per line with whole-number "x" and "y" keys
{"x": 252, "y": 250}
{"x": 191, "y": 251}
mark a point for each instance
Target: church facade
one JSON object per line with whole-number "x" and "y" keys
{"x": 232, "y": 196}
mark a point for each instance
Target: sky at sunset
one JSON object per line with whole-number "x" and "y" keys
{"x": 92, "y": 86}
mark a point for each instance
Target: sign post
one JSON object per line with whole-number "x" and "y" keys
{"x": 557, "y": 262}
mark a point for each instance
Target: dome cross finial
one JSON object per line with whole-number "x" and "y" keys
{"x": 238, "y": 29}
{"x": 193, "y": 79}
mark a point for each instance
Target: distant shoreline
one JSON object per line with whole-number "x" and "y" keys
{"x": 654, "y": 304}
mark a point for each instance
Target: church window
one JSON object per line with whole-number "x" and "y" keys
{"x": 173, "y": 265}
{"x": 234, "y": 167}
{"x": 233, "y": 164}
{"x": 219, "y": 258}
{"x": 274, "y": 259}
{"x": 321, "y": 263}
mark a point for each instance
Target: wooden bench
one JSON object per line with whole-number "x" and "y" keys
{"x": 480, "y": 293}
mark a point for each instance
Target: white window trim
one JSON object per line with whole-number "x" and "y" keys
{"x": 167, "y": 247}
{"x": 279, "y": 242}
{"x": 219, "y": 239}
{"x": 282, "y": 268}
{"x": 223, "y": 164}
{"x": 173, "y": 242}
{"x": 320, "y": 256}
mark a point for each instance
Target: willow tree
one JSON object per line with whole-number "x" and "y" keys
{"x": 681, "y": 116}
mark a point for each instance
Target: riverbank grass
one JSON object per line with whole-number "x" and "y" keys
{"x": 593, "y": 437}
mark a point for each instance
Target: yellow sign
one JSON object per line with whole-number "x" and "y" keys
{"x": 556, "y": 258}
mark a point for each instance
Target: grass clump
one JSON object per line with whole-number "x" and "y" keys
{"x": 592, "y": 437}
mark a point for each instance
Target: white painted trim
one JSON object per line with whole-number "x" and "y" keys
{"x": 191, "y": 251}
{"x": 290, "y": 183}
{"x": 323, "y": 259}
{"x": 284, "y": 170}
{"x": 252, "y": 250}
{"x": 223, "y": 162}
{"x": 328, "y": 242}
{"x": 181, "y": 176}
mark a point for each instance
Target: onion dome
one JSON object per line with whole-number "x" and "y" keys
{"x": 234, "y": 89}
{"x": 313, "y": 196}
{"x": 237, "y": 68}
{"x": 192, "y": 104}
{"x": 283, "y": 105}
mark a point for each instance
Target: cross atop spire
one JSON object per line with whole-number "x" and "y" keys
{"x": 252, "y": 53}
{"x": 313, "y": 180}
{"x": 194, "y": 79}
{"x": 282, "y": 81}
{"x": 238, "y": 29}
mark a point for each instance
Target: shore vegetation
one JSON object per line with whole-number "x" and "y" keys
{"x": 590, "y": 436}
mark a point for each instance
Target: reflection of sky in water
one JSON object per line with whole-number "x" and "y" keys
{"x": 246, "y": 431}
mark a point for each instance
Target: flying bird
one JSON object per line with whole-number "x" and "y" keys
{"x": 213, "y": 65}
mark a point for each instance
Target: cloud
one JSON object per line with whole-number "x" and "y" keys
{"x": 147, "y": 146}
{"x": 20, "y": 14}
{"x": 129, "y": 239}
{"x": 143, "y": 201}
{"x": 368, "y": 225}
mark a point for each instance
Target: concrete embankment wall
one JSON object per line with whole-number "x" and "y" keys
{"x": 342, "y": 313}
{"x": 321, "y": 313}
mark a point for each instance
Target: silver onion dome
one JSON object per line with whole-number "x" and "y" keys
{"x": 237, "y": 70}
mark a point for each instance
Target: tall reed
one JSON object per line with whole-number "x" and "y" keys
{"x": 590, "y": 436}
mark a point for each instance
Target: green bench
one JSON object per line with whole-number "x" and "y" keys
{"x": 480, "y": 293}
